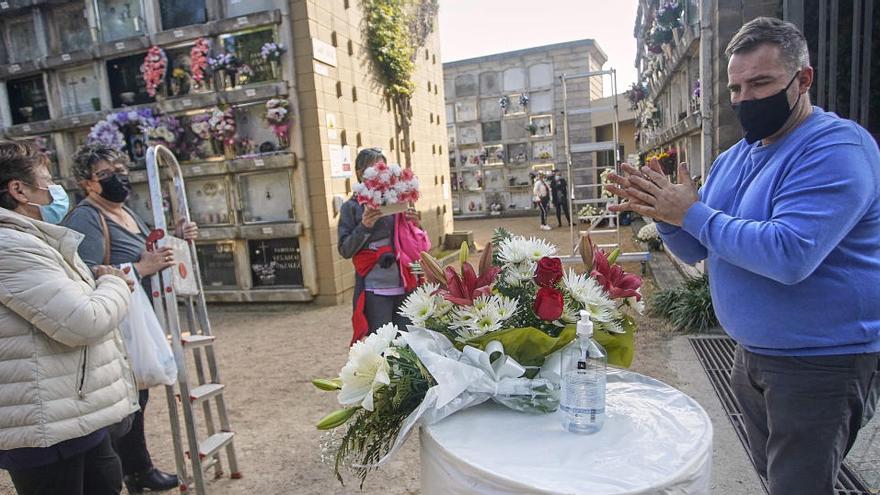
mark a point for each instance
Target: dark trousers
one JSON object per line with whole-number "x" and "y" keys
{"x": 132, "y": 447}
{"x": 380, "y": 310}
{"x": 802, "y": 415}
{"x": 93, "y": 472}
{"x": 544, "y": 206}
{"x": 560, "y": 209}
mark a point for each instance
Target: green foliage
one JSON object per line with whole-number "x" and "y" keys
{"x": 498, "y": 236}
{"x": 687, "y": 308}
{"x": 388, "y": 38}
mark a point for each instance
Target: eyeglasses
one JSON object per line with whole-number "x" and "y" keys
{"x": 106, "y": 174}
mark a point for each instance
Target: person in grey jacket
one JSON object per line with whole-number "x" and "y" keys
{"x": 102, "y": 174}
{"x": 367, "y": 237}
{"x": 64, "y": 374}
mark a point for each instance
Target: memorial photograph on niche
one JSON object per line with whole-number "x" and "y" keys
{"x": 276, "y": 262}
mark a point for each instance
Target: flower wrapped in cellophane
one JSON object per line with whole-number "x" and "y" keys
{"x": 477, "y": 333}
{"x": 394, "y": 381}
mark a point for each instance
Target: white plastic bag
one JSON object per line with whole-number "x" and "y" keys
{"x": 151, "y": 357}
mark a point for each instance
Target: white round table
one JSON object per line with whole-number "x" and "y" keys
{"x": 655, "y": 440}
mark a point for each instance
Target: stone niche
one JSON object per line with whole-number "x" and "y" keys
{"x": 27, "y": 99}
{"x": 72, "y": 28}
{"x": 177, "y": 13}
{"x": 127, "y": 85}
{"x": 120, "y": 19}
{"x": 217, "y": 264}
{"x": 21, "y": 39}
{"x": 246, "y": 46}
{"x": 209, "y": 201}
{"x": 80, "y": 90}
{"x": 266, "y": 197}
{"x": 276, "y": 262}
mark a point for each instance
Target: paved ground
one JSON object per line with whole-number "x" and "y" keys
{"x": 269, "y": 354}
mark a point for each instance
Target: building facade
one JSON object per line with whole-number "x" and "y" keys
{"x": 682, "y": 100}
{"x": 265, "y": 192}
{"x": 504, "y": 120}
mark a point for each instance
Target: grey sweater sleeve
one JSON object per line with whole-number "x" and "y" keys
{"x": 352, "y": 233}
{"x": 84, "y": 220}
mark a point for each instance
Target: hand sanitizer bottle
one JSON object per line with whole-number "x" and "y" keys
{"x": 584, "y": 365}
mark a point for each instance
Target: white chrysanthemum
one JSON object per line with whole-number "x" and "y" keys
{"x": 516, "y": 274}
{"x": 538, "y": 248}
{"x": 612, "y": 326}
{"x": 395, "y": 169}
{"x": 420, "y": 305}
{"x": 583, "y": 288}
{"x": 441, "y": 306}
{"x": 482, "y": 303}
{"x": 512, "y": 251}
{"x": 370, "y": 173}
{"x": 366, "y": 370}
{"x": 505, "y": 307}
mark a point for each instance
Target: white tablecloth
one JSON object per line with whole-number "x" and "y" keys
{"x": 655, "y": 440}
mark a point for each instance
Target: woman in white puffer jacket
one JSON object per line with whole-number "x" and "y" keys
{"x": 64, "y": 374}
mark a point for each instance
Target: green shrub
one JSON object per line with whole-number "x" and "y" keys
{"x": 687, "y": 308}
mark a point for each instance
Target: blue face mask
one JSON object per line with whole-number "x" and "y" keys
{"x": 55, "y": 211}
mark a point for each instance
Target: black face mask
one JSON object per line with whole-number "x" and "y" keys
{"x": 115, "y": 188}
{"x": 762, "y": 118}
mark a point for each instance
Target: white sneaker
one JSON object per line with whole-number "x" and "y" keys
{"x": 546, "y": 227}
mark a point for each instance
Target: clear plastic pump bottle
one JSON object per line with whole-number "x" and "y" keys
{"x": 584, "y": 364}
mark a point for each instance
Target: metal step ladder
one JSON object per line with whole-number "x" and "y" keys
{"x": 181, "y": 288}
{"x": 595, "y": 188}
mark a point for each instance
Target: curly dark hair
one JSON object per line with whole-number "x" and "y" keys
{"x": 88, "y": 155}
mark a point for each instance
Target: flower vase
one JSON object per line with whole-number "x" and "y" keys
{"x": 276, "y": 70}
{"x": 228, "y": 151}
{"x": 676, "y": 35}
{"x": 221, "y": 79}
{"x": 175, "y": 86}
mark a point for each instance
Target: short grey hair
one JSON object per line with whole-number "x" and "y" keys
{"x": 769, "y": 30}
{"x": 89, "y": 155}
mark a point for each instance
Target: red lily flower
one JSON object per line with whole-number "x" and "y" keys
{"x": 617, "y": 283}
{"x": 462, "y": 290}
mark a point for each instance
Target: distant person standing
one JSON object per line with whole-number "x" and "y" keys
{"x": 542, "y": 198}
{"x": 559, "y": 193}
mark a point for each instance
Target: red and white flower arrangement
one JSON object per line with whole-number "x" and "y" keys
{"x": 154, "y": 67}
{"x": 487, "y": 332}
{"x": 199, "y": 55}
{"x": 223, "y": 126}
{"x": 385, "y": 184}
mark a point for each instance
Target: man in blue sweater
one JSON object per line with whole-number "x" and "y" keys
{"x": 789, "y": 223}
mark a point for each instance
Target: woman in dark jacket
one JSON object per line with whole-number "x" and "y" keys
{"x": 102, "y": 173}
{"x": 367, "y": 238}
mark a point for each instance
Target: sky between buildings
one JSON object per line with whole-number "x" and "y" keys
{"x": 472, "y": 28}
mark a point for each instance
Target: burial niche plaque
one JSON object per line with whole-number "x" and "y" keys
{"x": 276, "y": 262}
